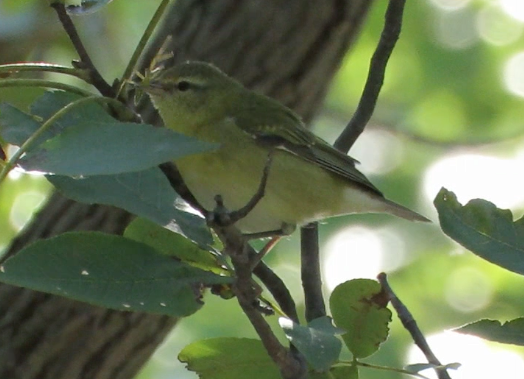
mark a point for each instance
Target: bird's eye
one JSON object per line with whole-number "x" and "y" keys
{"x": 183, "y": 86}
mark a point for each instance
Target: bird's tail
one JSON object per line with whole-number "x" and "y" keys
{"x": 403, "y": 212}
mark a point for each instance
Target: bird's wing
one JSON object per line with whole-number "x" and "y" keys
{"x": 279, "y": 127}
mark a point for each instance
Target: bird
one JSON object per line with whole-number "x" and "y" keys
{"x": 308, "y": 180}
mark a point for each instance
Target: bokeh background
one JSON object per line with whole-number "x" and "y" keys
{"x": 451, "y": 115}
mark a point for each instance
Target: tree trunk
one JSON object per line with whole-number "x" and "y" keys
{"x": 288, "y": 49}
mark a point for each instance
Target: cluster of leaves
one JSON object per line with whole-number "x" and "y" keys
{"x": 361, "y": 319}
{"x": 93, "y": 158}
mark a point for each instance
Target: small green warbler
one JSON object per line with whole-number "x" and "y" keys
{"x": 309, "y": 180}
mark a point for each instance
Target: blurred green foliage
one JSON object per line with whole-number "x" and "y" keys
{"x": 444, "y": 90}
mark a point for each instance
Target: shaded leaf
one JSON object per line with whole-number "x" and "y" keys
{"x": 229, "y": 358}
{"x": 483, "y": 229}
{"x": 51, "y": 102}
{"x": 109, "y": 271}
{"x": 17, "y": 126}
{"x": 316, "y": 341}
{"x": 104, "y": 148}
{"x": 510, "y": 332}
{"x": 355, "y": 307}
{"x": 146, "y": 193}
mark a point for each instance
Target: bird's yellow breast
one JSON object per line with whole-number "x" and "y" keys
{"x": 297, "y": 192}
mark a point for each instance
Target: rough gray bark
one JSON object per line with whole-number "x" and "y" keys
{"x": 288, "y": 49}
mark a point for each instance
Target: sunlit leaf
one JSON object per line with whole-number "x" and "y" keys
{"x": 483, "y": 229}
{"x": 510, "y": 332}
{"x": 229, "y": 358}
{"x": 358, "y": 307}
{"x": 173, "y": 244}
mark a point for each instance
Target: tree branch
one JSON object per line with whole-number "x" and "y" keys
{"x": 377, "y": 69}
{"x": 85, "y": 60}
{"x": 411, "y": 326}
{"x": 310, "y": 272}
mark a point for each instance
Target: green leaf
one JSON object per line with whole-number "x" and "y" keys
{"x": 172, "y": 244}
{"x": 146, "y": 193}
{"x": 483, "y": 229}
{"x": 316, "y": 341}
{"x": 104, "y": 148}
{"x": 51, "y": 102}
{"x": 88, "y": 141}
{"x": 229, "y": 358}
{"x": 357, "y": 307}
{"x": 17, "y": 126}
{"x": 510, "y": 332}
{"x": 109, "y": 271}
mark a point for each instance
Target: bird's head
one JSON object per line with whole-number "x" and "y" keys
{"x": 192, "y": 91}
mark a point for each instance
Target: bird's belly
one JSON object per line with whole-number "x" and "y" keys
{"x": 297, "y": 191}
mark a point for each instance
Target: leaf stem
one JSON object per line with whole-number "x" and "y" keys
{"x": 85, "y": 60}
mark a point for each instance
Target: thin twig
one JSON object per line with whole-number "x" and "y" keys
{"x": 128, "y": 73}
{"x": 20, "y": 82}
{"x": 411, "y": 326}
{"x": 377, "y": 69}
{"x": 47, "y": 67}
{"x": 276, "y": 287}
{"x": 310, "y": 272}
{"x": 85, "y": 60}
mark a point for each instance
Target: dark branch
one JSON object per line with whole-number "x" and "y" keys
{"x": 85, "y": 61}
{"x": 411, "y": 326}
{"x": 277, "y": 288}
{"x": 310, "y": 272}
{"x": 377, "y": 69}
